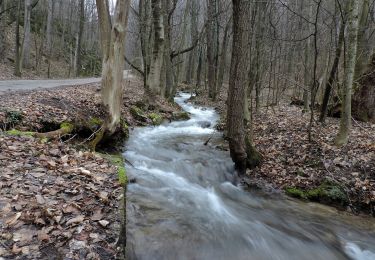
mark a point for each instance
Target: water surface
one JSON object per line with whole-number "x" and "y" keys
{"x": 183, "y": 205}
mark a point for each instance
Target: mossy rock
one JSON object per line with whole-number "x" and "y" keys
{"x": 138, "y": 114}
{"x": 156, "y": 119}
{"x": 180, "y": 116}
{"x": 327, "y": 192}
{"x": 19, "y": 133}
{"x": 67, "y": 127}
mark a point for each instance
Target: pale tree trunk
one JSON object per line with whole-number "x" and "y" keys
{"x": 346, "y": 114}
{"x": 113, "y": 47}
{"x": 26, "y": 38}
{"x": 154, "y": 76}
{"x": 49, "y": 34}
{"x": 77, "y": 56}
{"x": 241, "y": 149}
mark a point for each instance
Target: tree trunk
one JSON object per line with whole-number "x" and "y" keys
{"x": 364, "y": 47}
{"x": 113, "y": 46}
{"x": 26, "y": 38}
{"x": 3, "y": 47}
{"x": 169, "y": 77}
{"x": 153, "y": 78}
{"x": 211, "y": 49}
{"x": 49, "y": 34}
{"x": 346, "y": 115}
{"x": 18, "y": 59}
{"x": 332, "y": 75}
{"x": 239, "y": 144}
{"x": 223, "y": 56}
{"x": 192, "y": 60}
{"x": 77, "y": 56}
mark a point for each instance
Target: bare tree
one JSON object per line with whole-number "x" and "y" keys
{"x": 241, "y": 149}
{"x": 346, "y": 114}
{"x": 113, "y": 48}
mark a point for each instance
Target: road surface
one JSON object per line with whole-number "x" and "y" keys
{"x": 14, "y": 85}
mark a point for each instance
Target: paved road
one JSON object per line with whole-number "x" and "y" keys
{"x": 6, "y": 85}
{"x": 14, "y": 85}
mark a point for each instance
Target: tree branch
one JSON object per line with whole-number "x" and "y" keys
{"x": 134, "y": 66}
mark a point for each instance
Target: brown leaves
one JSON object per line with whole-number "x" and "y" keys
{"x": 51, "y": 193}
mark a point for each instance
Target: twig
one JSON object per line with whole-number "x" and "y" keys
{"x": 91, "y": 136}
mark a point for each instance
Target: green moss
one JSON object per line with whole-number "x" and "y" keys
{"x": 125, "y": 128}
{"x": 327, "y": 192}
{"x": 137, "y": 113}
{"x": 295, "y": 192}
{"x": 118, "y": 161}
{"x": 19, "y": 133}
{"x": 156, "y": 118}
{"x": 14, "y": 117}
{"x": 67, "y": 127}
{"x": 95, "y": 122}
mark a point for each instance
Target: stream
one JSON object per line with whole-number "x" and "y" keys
{"x": 183, "y": 205}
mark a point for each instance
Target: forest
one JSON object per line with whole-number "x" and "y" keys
{"x": 187, "y": 129}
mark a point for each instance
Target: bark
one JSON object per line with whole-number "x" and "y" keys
{"x": 26, "y": 36}
{"x": 346, "y": 116}
{"x": 364, "y": 47}
{"x": 167, "y": 89}
{"x": 154, "y": 76}
{"x": 78, "y": 50}
{"x": 223, "y": 56}
{"x": 49, "y": 34}
{"x": 113, "y": 46}
{"x": 211, "y": 50}
{"x": 363, "y": 102}
{"x": 332, "y": 75}
{"x": 239, "y": 144}
{"x": 3, "y": 47}
{"x": 194, "y": 37}
{"x": 17, "y": 67}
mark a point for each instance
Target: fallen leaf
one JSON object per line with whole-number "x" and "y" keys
{"x": 75, "y": 220}
{"x": 14, "y": 219}
{"x": 103, "y": 223}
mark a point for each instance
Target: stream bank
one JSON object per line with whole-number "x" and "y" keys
{"x": 300, "y": 168}
{"x": 58, "y": 199}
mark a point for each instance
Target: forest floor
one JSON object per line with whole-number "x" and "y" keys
{"x": 318, "y": 170}
{"x": 58, "y": 200}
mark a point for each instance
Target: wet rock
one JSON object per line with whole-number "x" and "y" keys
{"x": 180, "y": 116}
{"x": 204, "y": 124}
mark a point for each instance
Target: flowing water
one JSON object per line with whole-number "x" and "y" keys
{"x": 183, "y": 205}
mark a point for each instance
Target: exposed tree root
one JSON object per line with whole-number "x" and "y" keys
{"x": 65, "y": 129}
